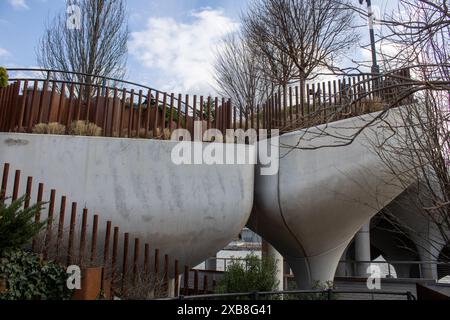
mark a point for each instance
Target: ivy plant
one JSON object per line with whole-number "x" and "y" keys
{"x": 28, "y": 277}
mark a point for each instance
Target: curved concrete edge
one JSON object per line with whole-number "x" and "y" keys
{"x": 321, "y": 198}
{"x": 320, "y": 269}
{"x": 187, "y": 211}
{"x": 428, "y": 240}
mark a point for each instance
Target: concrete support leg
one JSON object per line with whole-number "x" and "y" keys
{"x": 341, "y": 270}
{"x": 318, "y": 270}
{"x": 427, "y": 252}
{"x": 362, "y": 250}
{"x": 171, "y": 288}
{"x": 269, "y": 251}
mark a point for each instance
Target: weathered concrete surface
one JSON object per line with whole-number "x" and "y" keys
{"x": 314, "y": 206}
{"x": 416, "y": 223}
{"x": 269, "y": 251}
{"x": 189, "y": 212}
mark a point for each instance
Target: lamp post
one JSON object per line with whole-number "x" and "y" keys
{"x": 375, "y": 67}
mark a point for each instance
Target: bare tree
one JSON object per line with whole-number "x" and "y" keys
{"x": 417, "y": 36}
{"x": 420, "y": 138}
{"x": 238, "y": 75}
{"x": 311, "y": 34}
{"x": 98, "y": 46}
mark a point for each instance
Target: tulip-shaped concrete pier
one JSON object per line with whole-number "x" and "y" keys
{"x": 320, "y": 198}
{"x": 187, "y": 211}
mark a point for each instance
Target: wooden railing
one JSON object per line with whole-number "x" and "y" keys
{"x": 127, "y": 109}
{"x": 134, "y": 111}
{"x": 291, "y": 108}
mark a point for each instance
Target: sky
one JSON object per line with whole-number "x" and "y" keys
{"x": 172, "y": 42}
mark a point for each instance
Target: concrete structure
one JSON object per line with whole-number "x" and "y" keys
{"x": 189, "y": 212}
{"x": 362, "y": 249}
{"x": 319, "y": 200}
{"x": 269, "y": 251}
{"x": 423, "y": 233}
{"x": 309, "y": 212}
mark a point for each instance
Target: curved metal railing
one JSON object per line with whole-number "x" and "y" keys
{"x": 53, "y": 75}
{"x": 124, "y": 108}
{"x": 120, "y": 108}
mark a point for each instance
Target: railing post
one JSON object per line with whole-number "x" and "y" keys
{"x": 186, "y": 281}
{"x": 409, "y": 296}
{"x": 4, "y": 183}
{"x": 329, "y": 294}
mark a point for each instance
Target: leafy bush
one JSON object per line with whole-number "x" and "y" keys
{"x": 3, "y": 78}
{"x": 17, "y": 226}
{"x": 27, "y": 277}
{"x": 251, "y": 275}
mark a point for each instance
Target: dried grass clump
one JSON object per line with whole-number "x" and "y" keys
{"x": 142, "y": 134}
{"x": 51, "y": 128}
{"x": 144, "y": 287}
{"x": 56, "y": 128}
{"x": 373, "y": 105}
{"x": 165, "y": 134}
{"x": 161, "y": 134}
{"x": 40, "y": 128}
{"x": 82, "y": 128}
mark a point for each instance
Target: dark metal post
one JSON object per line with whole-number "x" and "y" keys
{"x": 370, "y": 13}
{"x": 329, "y": 294}
{"x": 409, "y": 296}
{"x": 375, "y": 66}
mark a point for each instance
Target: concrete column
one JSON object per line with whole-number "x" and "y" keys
{"x": 362, "y": 250}
{"x": 269, "y": 251}
{"x": 171, "y": 288}
{"x": 341, "y": 270}
{"x": 427, "y": 252}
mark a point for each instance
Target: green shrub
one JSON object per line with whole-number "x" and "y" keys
{"x": 27, "y": 277}
{"x": 3, "y": 78}
{"x": 17, "y": 226}
{"x": 251, "y": 275}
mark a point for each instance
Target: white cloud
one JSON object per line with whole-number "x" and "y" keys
{"x": 386, "y": 50}
{"x": 182, "y": 54}
{"x": 4, "y": 52}
{"x": 18, "y": 4}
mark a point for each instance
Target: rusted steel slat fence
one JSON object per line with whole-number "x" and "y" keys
{"x": 136, "y": 111}
{"x": 67, "y": 241}
{"x": 126, "y": 112}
